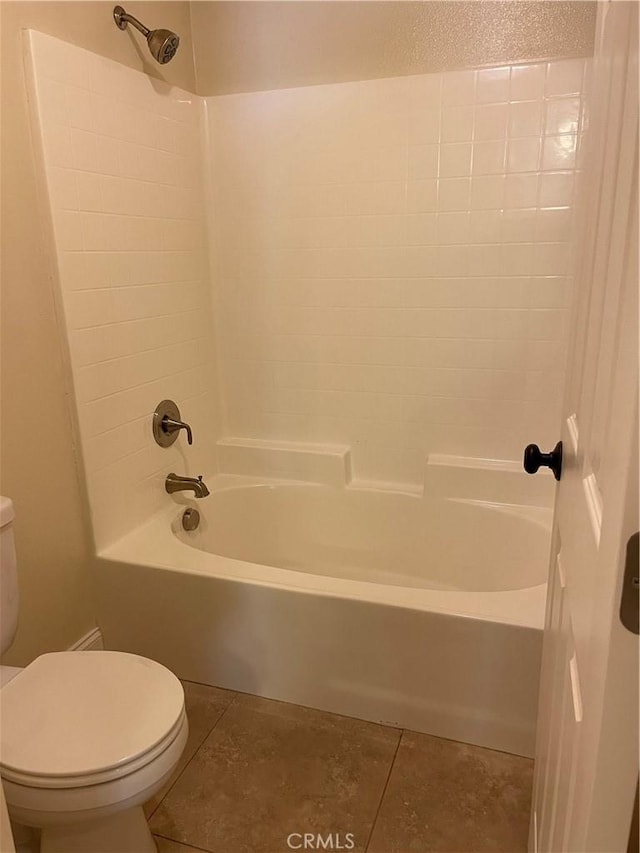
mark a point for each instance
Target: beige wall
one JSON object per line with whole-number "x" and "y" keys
{"x": 37, "y": 455}
{"x": 255, "y": 46}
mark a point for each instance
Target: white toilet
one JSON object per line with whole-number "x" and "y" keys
{"x": 86, "y": 737}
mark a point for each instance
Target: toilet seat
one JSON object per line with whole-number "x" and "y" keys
{"x": 38, "y": 780}
{"x": 74, "y": 719}
{"x": 48, "y": 805}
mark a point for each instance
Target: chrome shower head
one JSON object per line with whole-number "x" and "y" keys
{"x": 163, "y": 44}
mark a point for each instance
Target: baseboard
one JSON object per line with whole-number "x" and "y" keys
{"x": 90, "y": 642}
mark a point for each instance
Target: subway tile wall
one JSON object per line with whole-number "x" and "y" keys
{"x": 391, "y": 265}
{"x": 392, "y": 262}
{"x": 123, "y": 163}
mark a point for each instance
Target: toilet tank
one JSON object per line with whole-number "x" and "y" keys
{"x": 8, "y": 577}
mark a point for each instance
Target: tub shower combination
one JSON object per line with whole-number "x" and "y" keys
{"x": 279, "y": 571}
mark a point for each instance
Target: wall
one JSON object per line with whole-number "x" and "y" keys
{"x": 256, "y": 46}
{"x": 37, "y": 455}
{"x": 392, "y": 261}
{"x": 123, "y": 165}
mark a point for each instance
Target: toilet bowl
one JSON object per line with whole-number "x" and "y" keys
{"x": 86, "y": 738}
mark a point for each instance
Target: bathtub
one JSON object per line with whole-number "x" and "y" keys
{"x": 423, "y": 612}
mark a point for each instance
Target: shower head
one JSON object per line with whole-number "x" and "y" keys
{"x": 163, "y": 44}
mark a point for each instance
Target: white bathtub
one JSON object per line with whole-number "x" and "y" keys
{"x": 420, "y": 612}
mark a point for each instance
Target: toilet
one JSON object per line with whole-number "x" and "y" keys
{"x": 86, "y": 736}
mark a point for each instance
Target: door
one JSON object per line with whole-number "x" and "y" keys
{"x": 587, "y": 746}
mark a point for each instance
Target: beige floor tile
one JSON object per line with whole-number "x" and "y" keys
{"x": 453, "y": 798}
{"x": 205, "y": 705}
{"x": 270, "y": 769}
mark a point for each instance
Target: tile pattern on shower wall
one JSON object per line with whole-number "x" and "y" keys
{"x": 123, "y": 166}
{"x": 392, "y": 261}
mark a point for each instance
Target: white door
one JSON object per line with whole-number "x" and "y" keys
{"x": 587, "y": 747}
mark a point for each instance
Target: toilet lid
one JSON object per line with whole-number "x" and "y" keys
{"x": 78, "y": 713}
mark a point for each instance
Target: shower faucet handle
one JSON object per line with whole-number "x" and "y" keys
{"x": 171, "y": 426}
{"x": 167, "y": 423}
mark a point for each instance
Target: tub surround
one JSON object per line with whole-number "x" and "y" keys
{"x": 389, "y": 262}
{"x": 392, "y": 262}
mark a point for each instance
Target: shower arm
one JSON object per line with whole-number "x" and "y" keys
{"x": 123, "y": 18}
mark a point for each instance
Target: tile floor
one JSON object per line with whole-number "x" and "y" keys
{"x": 256, "y": 772}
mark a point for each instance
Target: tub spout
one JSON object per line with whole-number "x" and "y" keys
{"x": 174, "y": 483}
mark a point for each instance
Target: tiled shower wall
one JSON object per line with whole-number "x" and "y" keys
{"x": 391, "y": 262}
{"x": 123, "y": 164}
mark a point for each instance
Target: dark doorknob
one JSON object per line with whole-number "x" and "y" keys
{"x": 534, "y": 458}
